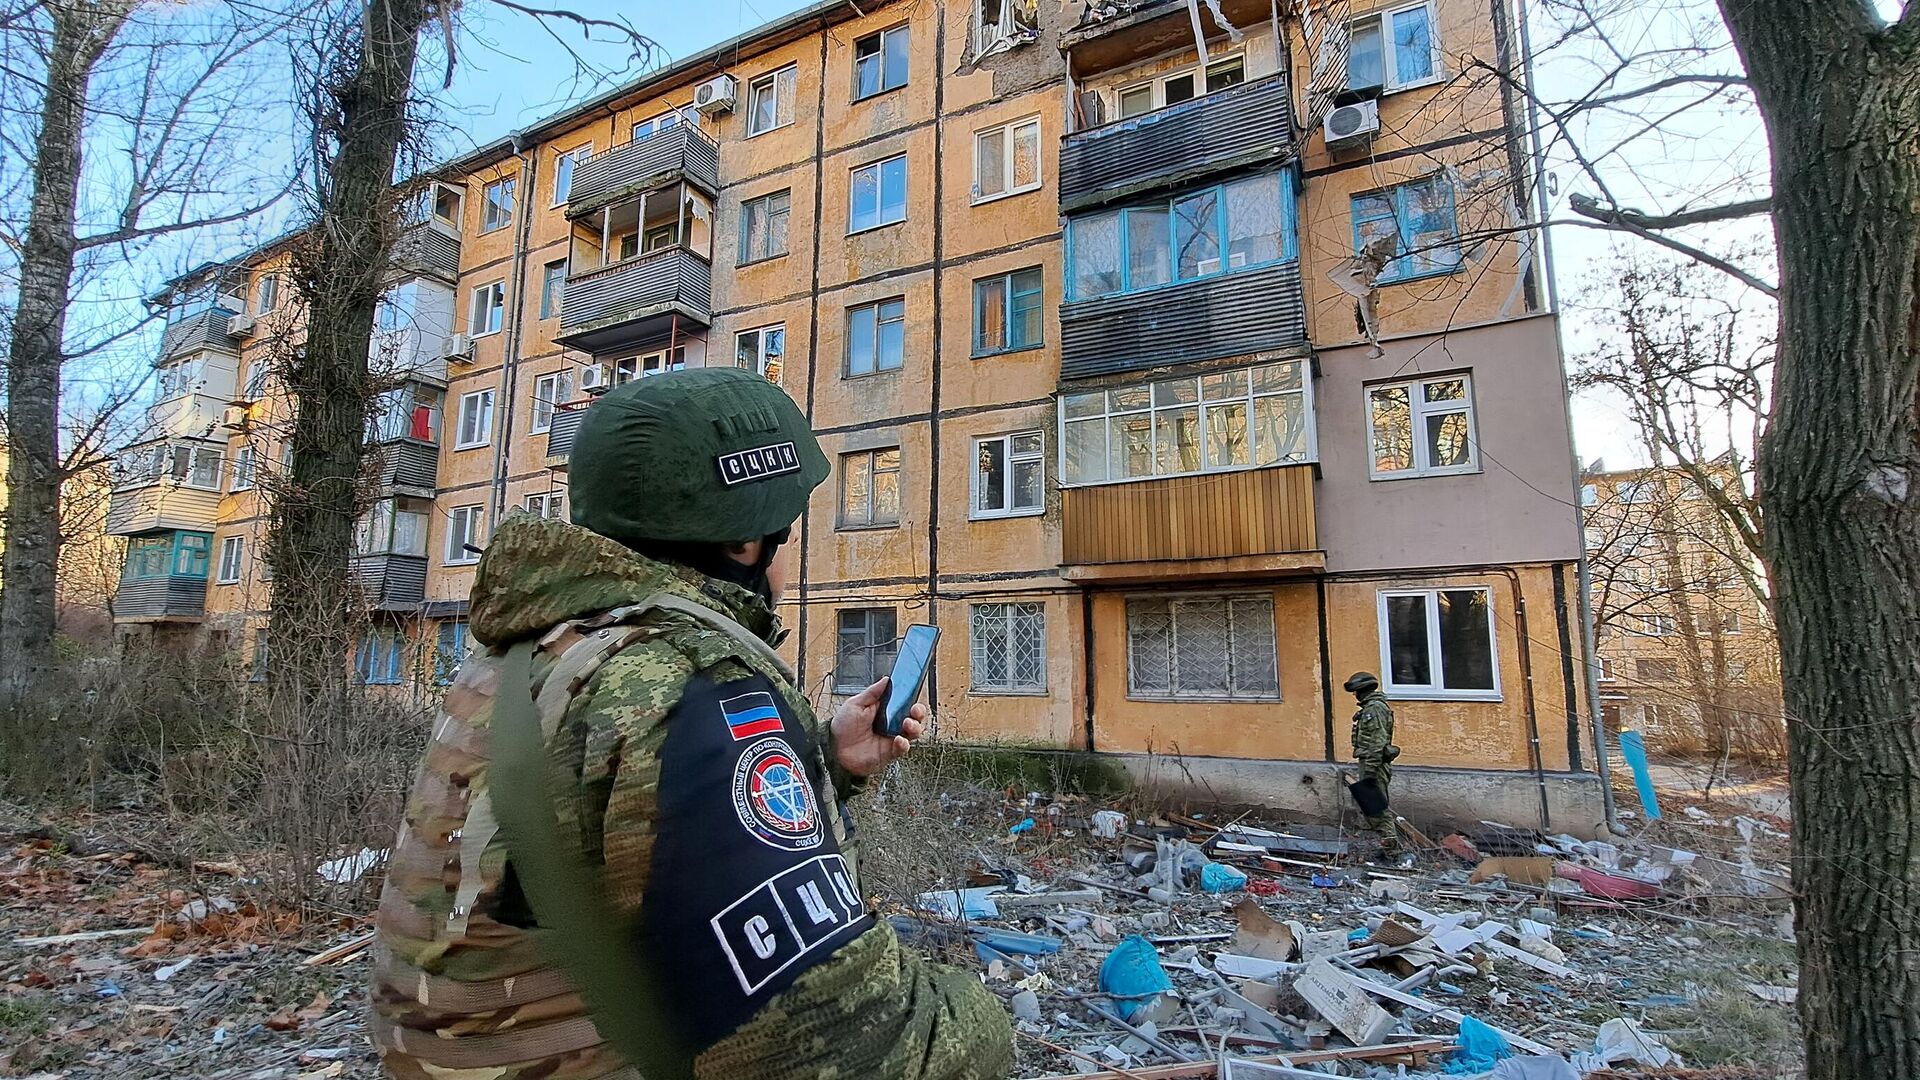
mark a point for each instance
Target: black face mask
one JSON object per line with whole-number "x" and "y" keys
{"x": 714, "y": 561}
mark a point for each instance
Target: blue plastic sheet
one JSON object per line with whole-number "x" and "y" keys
{"x": 1480, "y": 1048}
{"x": 1131, "y": 974}
{"x": 1634, "y": 749}
{"x": 1220, "y": 878}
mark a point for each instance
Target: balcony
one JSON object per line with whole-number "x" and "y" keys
{"x": 1239, "y": 126}
{"x": 1223, "y": 524}
{"x": 161, "y": 599}
{"x": 681, "y": 151}
{"x": 1233, "y": 314}
{"x": 1146, "y": 29}
{"x": 163, "y": 504}
{"x": 191, "y": 333}
{"x": 407, "y": 463}
{"x": 636, "y": 301}
{"x": 560, "y": 435}
{"x": 431, "y": 248}
{"x": 391, "y": 582}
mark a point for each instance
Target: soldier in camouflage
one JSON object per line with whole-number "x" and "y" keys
{"x": 684, "y": 772}
{"x": 1373, "y": 751}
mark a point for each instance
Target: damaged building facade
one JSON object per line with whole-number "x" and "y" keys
{"x": 1169, "y": 411}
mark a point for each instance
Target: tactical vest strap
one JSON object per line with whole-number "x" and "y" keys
{"x": 745, "y": 638}
{"x": 587, "y": 939}
{"x": 513, "y": 1045}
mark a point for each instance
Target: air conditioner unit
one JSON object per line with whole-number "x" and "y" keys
{"x": 460, "y": 348}
{"x": 240, "y": 325}
{"x": 716, "y": 95}
{"x": 234, "y": 417}
{"x": 1352, "y": 125}
{"x": 595, "y": 378}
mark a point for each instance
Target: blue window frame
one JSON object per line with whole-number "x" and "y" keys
{"x": 1419, "y": 217}
{"x": 450, "y": 648}
{"x": 378, "y": 660}
{"x": 1229, "y": 227}
{"x": 1006, "y": 312}
{"x": 177, "y": 554}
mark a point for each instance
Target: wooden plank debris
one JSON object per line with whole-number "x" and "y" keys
{"x": 86, "y": 935}
{"x": 346, "y": 950}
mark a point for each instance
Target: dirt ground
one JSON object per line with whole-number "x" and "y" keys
{"x": 196, "y": 973}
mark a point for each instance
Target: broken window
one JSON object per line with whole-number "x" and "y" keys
{"x": 1009, "y": 476}
{"x": 1438, "y": 643}
{"x": 880, "y": 62}
{"x": 1183, "y": 238}
{"x": 1393, "y": 50}
{"x": 1204, "y": 648}
{"x": 870, "y": 488}
{"x": 1418, "y": 220}
{"x": 1009, "y": 648}
{"x": 868, "y": 644}
{"x": 995, "y": 21}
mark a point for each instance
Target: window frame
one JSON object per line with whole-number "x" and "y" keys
{"x": 248, "y": 457}
{"x": 1289, "y": 234}
{"x": 841, "y": 522}
{"x": 484, "y": 436}
{"x": 881, "y": 54}
{"x": 1006, "y": 281}
{"x": 460, "y": 642}
{"x": 1008, "y": 131}
{"x": 1435, "y": 656}
{"x": 232, "y": 558}
{"x": 879, "y": 193}
{"x": 553, "y": 288}
{"x": 1156, "y": 84}
{"x": 552, "y": 504}
{"x": 507, "y": 186}
{"x": 1008, "y": 486}
{"x": 1065, "y": 417}
{"x": 747, "y": 207}
{"x": 1444, "y": 260}
{"x": 1389, "y": 58}
{"x": 760, "y": 356}
{"x": 841, "y": 687}
{"x": 472, "y": 516}
{"x": 565, "y": 163}
{"x": 772, "y": 85}
{"x": 544, "y": 387}
{"x": 266, "y": 293}
{"x": 1417, "y": 414}
{"x": 879, "y": 368}
{"x": 1172, "y": 600}
{"x": 380, "y": 643}
{"x": 1006, "y": 687}
{"x": 496, "y": 300}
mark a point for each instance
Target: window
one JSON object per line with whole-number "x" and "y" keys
{"x": 1006, "y": 312}
{"x": 496, "y": 210}
{"x": 1418, "y": 220}
{"x": 1009, "y": 476}
{"x": 879, "y": 194}
{"x": 1639, "y": 491}
{"x": 1736, "y": 670}
{"x": 175, "y": 380}
{"x": 1607, "y": 670}
{"x": 231, "y": 550}
{"x": 1174, "y": 87}
{"x": 1656, "y": 626}
{"x": 201, "y": 465}
{"x": 876, "y": 337}
{"x": 1655, "y": 670}
{"x": 1422, "y": 428}
{"x": 406, "y": 413}
{"x": 190, "y": 552}
{"x": 1589, "y": 495}
{"x": 256, "y": 387}
{"x": 1393, "y": 50}
{"x": 1133, "y": 249}
{"x": 442, "y": 202}
{"x": 377, "y": 661}
{"x": 770, "y": 101}
{"x": 476, "y": 420}
{"x": 449, "y": 650}
{"x": 148, "y": 557}
{"x": 551, "y": 505}
{"x": 1009, "y": 647}
{"x": 763, "y": 229}
{"x": 550, "y": 390}
{"x": 553, "y": 285}
{"x": 1438, "y": 643}
{"x": 1006, "y": 159}
{"x": 1729, "y": 622}
{"x": 868, "y": 644}
{"x": 1202, "y": 647}
{"x": 665, "y": 121}
{"x": 267, "y": 295}
{"x": 392, "y": 527}
{"x": 870, "y": 488}
{"x": 880, "y": 62}
{"x": 640, "y": 367}
{"x": 258, "y": 669}
{"x": 995, "y": 21}
{"x": 463, "y": 530}
{"x": 244, "y": 460}
{"x": 761, "y": 350}
{"x": 563, "y": 167}
{"x": 1225, "y": 420}
{"x": 1654, "y": 717}
{"x": 488, "y": 307}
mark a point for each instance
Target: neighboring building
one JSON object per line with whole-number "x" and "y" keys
{"x": 1687, "y": 650}
{"x": 1059, "y": 298}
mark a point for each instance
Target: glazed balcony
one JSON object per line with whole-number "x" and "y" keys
{"x": 1218, "y": 524}
{"x": 1240, "y": 126}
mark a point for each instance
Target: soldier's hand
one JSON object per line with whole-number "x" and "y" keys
{"x": 861, "y": 750}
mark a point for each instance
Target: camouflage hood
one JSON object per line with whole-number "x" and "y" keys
{"x": 537, "y": 573}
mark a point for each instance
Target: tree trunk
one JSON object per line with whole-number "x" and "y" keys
{"x": 81, "y": 33}
{"x": 1840, "y": 476}
{"x": 340, "y": 275}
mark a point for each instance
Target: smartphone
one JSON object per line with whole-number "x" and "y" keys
{"x": 909, "y": 673}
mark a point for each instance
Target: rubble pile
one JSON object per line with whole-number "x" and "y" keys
{"x": 1174, "y": 946}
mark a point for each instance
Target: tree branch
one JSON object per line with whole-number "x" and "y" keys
{"x": 1587, "y": 206}
{"x": 143, "y": 232}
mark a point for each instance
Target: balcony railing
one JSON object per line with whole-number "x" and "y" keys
{"x": 636, "y": 300}
{"x": 407, "y": 463}
{"x": 1222, "y": 516}
{"x": 1228, "y": 129}
{"x": 179, "y": 596}
{"x": 429, "y": 248}
{"x": 662, "y": 157}
{"x": 1232, "y": 314}
{"x": 565, "y": 427}
{"x": 391, "y": 582}
{"x": 162, "y": 504}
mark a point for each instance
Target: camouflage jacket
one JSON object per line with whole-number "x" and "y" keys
{"x": 461, "y": 988}
{"x": 1373, "y": 733}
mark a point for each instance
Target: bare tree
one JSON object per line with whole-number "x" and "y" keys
{"x": 135, "y": 104}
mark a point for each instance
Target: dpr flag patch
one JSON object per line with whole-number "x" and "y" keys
{"x": 751, "y": 714}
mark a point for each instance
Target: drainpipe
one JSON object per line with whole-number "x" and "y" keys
{"x": 516, "y": 291}
{"x": 1525, "y": 644}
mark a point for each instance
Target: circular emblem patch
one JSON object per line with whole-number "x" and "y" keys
{"x": 773, "y": 799}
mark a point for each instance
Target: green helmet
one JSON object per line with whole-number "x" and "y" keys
{"x": 1361, "y": 682}
{"x": 715, "y": 455}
